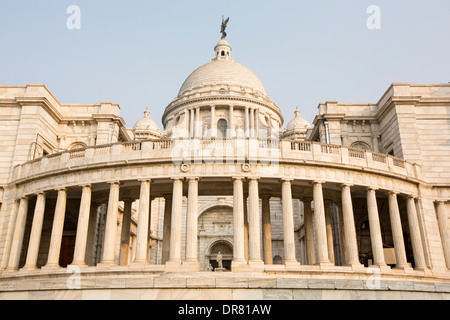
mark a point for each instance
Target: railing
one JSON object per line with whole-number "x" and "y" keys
{"x": 234, "y": 149}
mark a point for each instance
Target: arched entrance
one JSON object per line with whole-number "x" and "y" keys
{"x": 226, "y": 250}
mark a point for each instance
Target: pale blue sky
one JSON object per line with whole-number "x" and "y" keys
{"x": 138, "y": 53}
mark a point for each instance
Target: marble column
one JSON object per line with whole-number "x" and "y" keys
{"x": 254, "y": 224}
{"x": 288, "y": 223}
{"x": 443, "y": 228}
{"x": 79, "y": 257}
{"x": 126, "y": 233}
{"x": 36, "y": 232}
{"x": 397, "y": 231}
{"x": 166, "y": 229}
{"x": 309, "y": 232}
{"x": 19, "y": 231}
{"x": 375, "y": 229}
{"x": 416, "y": 238}
{"x": 177, "y": 222}
{"x": 109, "y": 246}
{"x": 140, "y": 256}
{"x": 351, "y": 244}
{"x": 267, "y": 230}
{"x": 57, "y": 230}
{"x": 192, "y": 224}
{"x": 320, "y": 225}
{"x": 238, "y": 222}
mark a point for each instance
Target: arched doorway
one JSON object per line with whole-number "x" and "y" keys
{"x": 225, "y": 250}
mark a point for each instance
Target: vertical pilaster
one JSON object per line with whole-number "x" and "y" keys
{"x": 177, "y": 221}
{"x": 166, "y": 229}
{"x": 192, "y": 225}
{"x": 238, "y": 223}
{"x": 213, "y": 122}
{"x": 309, "y": 232}
{"x": 267, "y": 230}
{"x": 126, "y": 233}
{"x": 254, "y": 224}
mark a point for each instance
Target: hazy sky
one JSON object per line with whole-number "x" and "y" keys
{"x": 138, "y": 53}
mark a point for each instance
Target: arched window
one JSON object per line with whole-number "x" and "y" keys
{"x": 361, "y": 145}
{"x": 222, "y": 127}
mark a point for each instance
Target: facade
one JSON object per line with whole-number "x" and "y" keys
{"x": 355, "y": 205}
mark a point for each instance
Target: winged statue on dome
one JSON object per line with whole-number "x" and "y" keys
{"x": 224, "y": 27}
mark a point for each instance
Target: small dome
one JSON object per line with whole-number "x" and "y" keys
{"x": 146, "y": 124}
{"x": 298, "y": 122}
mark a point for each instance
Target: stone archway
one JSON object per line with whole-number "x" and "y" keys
{"x": 226, "y": 250}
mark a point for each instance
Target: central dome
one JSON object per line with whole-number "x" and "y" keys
{"x": 223, "y": 72}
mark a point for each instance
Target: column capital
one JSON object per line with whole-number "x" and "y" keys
{"x": 238, "y": 178}
{"x": 283, "y": 180}
{"x": 87, "y": 185}
{"x": 114, "y": 182}
{"x": 393, "y": 193}
{"x": 145, "y": 180}
{"x": 193, "y": 178}
{"x": 318, "y": 182}
{"x": 439, "y": 202}
{"x": 265, "y": 196}
{"x": 371, "y": 189}
{"x": 253, "y": 178}
{"x": 61, "y": 189}
{"x": 347, "y": 185}
{"x": 40, "y": 193}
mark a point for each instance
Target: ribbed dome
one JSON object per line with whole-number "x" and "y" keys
{"x": 223, "y": 72}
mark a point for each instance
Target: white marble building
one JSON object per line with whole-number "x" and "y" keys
{"x": 306, "y": 209}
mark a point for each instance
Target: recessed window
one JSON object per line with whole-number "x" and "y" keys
{"x": 223, "y": 53}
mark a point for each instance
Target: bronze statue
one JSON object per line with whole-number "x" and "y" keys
{"x": 224, "y": 27}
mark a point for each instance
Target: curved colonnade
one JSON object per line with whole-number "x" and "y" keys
{"x": 312, "y": 172}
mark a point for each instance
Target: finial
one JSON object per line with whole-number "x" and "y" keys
{"x": 147, "y": 113}
{"x": 297, "y": 112}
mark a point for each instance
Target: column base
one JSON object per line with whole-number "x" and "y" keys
{"x": 326, "y": 265}
{"x": 291, "y": 264}
{"x": 256, "y": 266}
{"x": 191, "y": 266}
{"x": 78, "y": 264}
{"x": 239, "y": 266}
{"x": 405, "y": 268}
{"x": 51, "y": 267}
{"x": 173, "y": 266}
{"x": 384, "y": 268}
{"x": 356, "y": 266}
{"x": 425, "y": 270}
{"x": 28, "y": 268}
{"x": 107, "y": 264}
